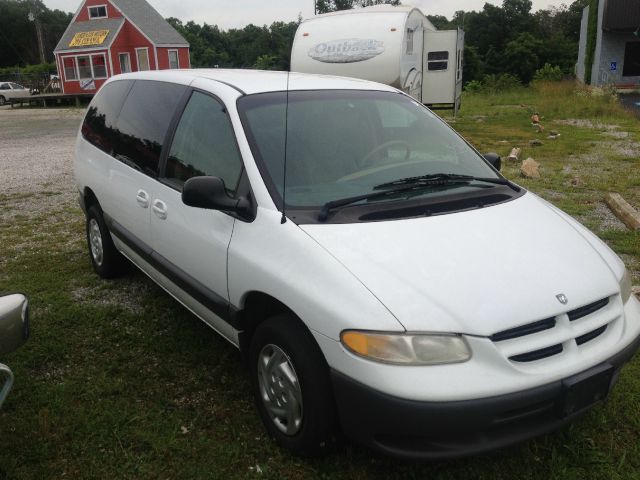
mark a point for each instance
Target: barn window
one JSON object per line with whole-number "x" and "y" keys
{"x": 173, "y": 59}
{"x": 70, "y": 72}
{"x": 125, "y": 62}
{"x": 99, "y": 66}
{"x": 84, "y": 67}
{"x": 631, "y": 60}
{"x": 437, "y": 61}
{"x": 99, "y": 11}
{"x": 142, "y": 55}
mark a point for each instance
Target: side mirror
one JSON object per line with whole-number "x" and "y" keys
{"x": 210, "y": 193}
{"x": 14, "y": 322}
{"x": 494, "y": 159}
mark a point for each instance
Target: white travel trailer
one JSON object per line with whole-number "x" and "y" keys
{"x": 397, "y": 46}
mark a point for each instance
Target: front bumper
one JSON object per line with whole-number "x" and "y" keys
{"x": 432, "y": 430}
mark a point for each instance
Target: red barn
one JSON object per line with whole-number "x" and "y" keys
{"x": 108, "y": 37}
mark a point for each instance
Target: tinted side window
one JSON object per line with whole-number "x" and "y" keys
{"x": 99, "y": 127}
{"x": 204, "y": 144}
{"x": 143, "y": 123}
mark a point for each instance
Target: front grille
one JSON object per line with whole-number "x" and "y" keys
{"x": 559, "y": 335}
{"x": 587, "y": 337}
{"x": 587, "y": 309}
{"x": 537, "y": 354}
{"x": 527, "y": 329}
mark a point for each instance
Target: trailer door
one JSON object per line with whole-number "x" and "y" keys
{"x": 442, "y": 67}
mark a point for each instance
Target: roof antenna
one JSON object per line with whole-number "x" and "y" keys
{"x": 286, "y": 131}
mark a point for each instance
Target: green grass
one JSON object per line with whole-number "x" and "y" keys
{"x": 119, "y": 381}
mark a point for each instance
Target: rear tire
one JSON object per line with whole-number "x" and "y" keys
{"x": 291, "y": 386}
{"x": 2, "y": 100}
{"x": 106, "y": 260}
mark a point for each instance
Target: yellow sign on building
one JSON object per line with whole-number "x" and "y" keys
{"x": 85, "y": 39}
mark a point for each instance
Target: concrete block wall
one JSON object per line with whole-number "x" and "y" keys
{"x": 613, "y": 48}
{"x": 582, "y": 46}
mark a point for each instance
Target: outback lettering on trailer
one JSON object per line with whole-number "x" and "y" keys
{"x": 349, "y": 50}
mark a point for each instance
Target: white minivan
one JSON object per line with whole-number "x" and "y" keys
{"x": 379, "y": 276}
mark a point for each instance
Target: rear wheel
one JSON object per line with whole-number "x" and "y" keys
{"x": 291, "y": 384}
{"x": 105, "y": 258}
{"x": 2, "y": 100}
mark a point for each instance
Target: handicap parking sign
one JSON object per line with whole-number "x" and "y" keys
{"x": 614, "y": 66}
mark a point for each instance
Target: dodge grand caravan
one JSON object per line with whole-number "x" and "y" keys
{"x": 365, "y": 259}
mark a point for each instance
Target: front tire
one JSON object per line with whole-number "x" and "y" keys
{"x": 291, "y": 386}
{"x": 105, "y": 258}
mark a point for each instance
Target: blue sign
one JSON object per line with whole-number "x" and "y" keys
{"x": 614, "y": 66}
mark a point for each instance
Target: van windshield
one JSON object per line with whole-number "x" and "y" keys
{"x": 345, "y": 143}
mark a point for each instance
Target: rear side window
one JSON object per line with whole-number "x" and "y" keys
{"x": 143, "y": 123}
{"x": 99, "y": 127}
{"x": 204, "y": 144}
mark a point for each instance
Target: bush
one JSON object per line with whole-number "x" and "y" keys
{"x": 474, "y": 86}
{"x": 493, "y": 84}
{"x": 38, "y": 69}
{"x": 549, "y": 73}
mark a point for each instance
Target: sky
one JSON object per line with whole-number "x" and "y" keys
{"x": 238, "y": 13}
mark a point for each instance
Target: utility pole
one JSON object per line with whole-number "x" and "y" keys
{"x": 33, "y": 17}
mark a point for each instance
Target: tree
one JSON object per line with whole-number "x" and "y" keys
{"x": 441, "y": 22}
{"x": 326, "y": 6}
{"x": 521, "y": 57}
{"x": 18, "y": 41}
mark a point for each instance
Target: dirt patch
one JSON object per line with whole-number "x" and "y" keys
{"x": 127, "y": 300}
{"x": 615, "y": 134}
{"x": 36, "y": 159}
{"x": 584, "y": 123}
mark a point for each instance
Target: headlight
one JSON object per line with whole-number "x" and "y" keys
{"x": 625, "y": 286}
{"x": 407, "y": 349}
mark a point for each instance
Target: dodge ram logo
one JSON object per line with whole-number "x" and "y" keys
{"x": 349, "y": 50}
{"x": 562, "y": 298}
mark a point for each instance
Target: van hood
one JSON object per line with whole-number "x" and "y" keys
{"x": 477, "y": 272}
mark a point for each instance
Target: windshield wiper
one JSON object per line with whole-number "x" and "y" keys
{"x": 400, "y": 188}
{"x": 443, "y": 179}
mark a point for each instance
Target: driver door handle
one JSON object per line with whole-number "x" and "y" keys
{"x": 160, "y": 209}
{"x": 142, "y": 198}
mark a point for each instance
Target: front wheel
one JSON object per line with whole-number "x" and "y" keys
{"x": 292, "y": 389}
{"x": 106, "y": 260}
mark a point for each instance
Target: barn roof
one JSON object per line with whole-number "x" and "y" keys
{"x": 111, "y": 24}
{"x": 141, "y": 14}
{"x": 152, "y": 24}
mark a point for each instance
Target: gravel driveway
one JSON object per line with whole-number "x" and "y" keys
{"x": 36, "y": 156}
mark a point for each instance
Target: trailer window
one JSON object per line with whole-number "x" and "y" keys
{"x": 437, "y": 61}
{"x": 409, "y": 41}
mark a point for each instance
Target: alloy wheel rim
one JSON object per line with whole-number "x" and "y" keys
{"x": 95, "y": 241}
{"x": 280, "y": 389}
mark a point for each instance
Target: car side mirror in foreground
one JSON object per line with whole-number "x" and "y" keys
{"x": 14, "y": 331}
{"x": 14, "y": 322}
{"x": 210, "y": 193}
{"x": 494, "y": 159}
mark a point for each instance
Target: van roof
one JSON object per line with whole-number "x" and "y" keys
{"x": 260, "y": 81}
